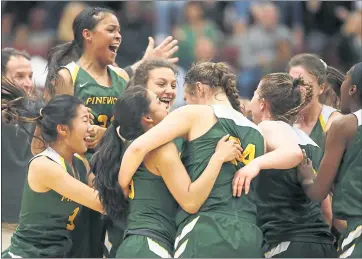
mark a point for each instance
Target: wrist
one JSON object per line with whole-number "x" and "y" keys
{"x": 218, "y": 157}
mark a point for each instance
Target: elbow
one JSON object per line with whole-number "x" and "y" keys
{"x": 191, "y": 208}
{"x": 316, "y": 196}
{"x": 297, "y": 155}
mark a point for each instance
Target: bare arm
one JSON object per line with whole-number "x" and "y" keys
{"x": 191, "y": 195}
{"x": 46, "y": 174}
{"x": 283, "y": 152}
{"x": 177, "y": 124}
{"x": 335, "y": 115}
{"x": 336, "y": 142}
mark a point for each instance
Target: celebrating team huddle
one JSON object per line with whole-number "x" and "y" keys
{"x": 112, "y": 158}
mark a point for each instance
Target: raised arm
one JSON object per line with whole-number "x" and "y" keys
{"x": 177, "y": 124}
{"x": 191, "y": 195}
{"x": 45, "y": 173}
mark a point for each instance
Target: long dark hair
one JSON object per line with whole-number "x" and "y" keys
{"x": 106, "y": 161}
{"x": 17, "y": 107}
{"x": 65, "y": 53}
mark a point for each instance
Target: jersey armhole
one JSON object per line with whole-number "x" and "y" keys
{"x": 119, "y": 73}
{"x": 73, "y": 69}
{"x": 84, "y": 162}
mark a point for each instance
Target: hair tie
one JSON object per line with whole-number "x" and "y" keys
{"x": 324, "y": 63}
{"x": 296, "y": 82}
{"x": 41, "y": 112}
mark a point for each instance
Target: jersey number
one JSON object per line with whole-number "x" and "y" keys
{"x": 248, "y": 153}
{"x": 103, "y": 119}
{"x": 71, "y": 218}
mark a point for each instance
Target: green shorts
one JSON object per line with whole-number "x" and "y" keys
{"x": 216, "y": 235}
{"x": 294, "y": 249}
{"x": 7, "y": 254}
{"x": 137, "y": 246}
{"x": 350, "y": 244}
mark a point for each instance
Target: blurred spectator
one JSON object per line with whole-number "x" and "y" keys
{"x": 164, "y": 12}
{"x": 265, "y": 46}
{"x": 16, "y": 67}
{"x": 350, "y": 41}
{"x": 196, "y": 26}
{"x": 204, "y": 49}
{"x": 291, "y": 15}
{"x": 65, "y": 28}
{"x": 321, "y": 22}
{"x": 135, "y": 30}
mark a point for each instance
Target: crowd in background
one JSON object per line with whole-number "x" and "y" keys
{"x": 252, "y": 36}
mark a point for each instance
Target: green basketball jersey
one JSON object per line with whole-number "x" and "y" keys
{"x": 47, "y": 219}
{"x": 197, "y": 153}
{"x": 319, "y": 129}
{"x": 152, "y": 208}
{"x": 347, "y": 198}
{"x": 285, "y": 213}
{"x": 97, "y": 97}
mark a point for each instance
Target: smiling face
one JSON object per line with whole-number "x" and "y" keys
{"x": 76, "y": 138}
{"x": 162, "y": 81}
{"x": 157, "y": 110}
{"x": 105, "y": 39}
{"x": 19, "y": 71}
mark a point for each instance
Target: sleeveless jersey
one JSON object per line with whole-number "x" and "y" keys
{"x": 152, "y": 208}
{"x": 285, "y": 213}
{"x": 318, "y": 132}
{"x": 97, "y": 97}
{"x": 197, "y": 153}
{"x": 347, "y": 198}
{"x": 47, "y": 219}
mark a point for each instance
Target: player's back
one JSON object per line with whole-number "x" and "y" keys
{"x": 284, "y": 212}
{"x": 196, "y": 155}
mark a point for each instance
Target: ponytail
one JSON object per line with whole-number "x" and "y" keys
{"x": 228, "y": 83}
{"x": 105, "y": 165}
{"x": 59, "y": 56}
{"x": 17, "y": 107}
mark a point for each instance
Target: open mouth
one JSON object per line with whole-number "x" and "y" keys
{"x": 113, "y": 48}
{"x": 165, "y": 100}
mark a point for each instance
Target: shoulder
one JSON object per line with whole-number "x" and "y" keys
{"x": 272, "y": 125}
{"x": 344, "y": 122}
{"x": 65, "y": 74}
{"x": 165, "y": 153}
{"x": 343, "y": 127}
{"x": 195, "y": 110}
{"x": 43, "y": 166}
{"x": 120, "y": 72}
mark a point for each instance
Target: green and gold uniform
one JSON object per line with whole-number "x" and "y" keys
{"x": 46, "y": 219}
{"x": 89, "y": 239}
{"x": 292, "y": 224}
{"x": 151, "y": 228}
{"x": 224, "y": 226}
{"x": 347, "y": 198}
{"x": 99, "y": 98}
{"x": 318, "y": 134}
